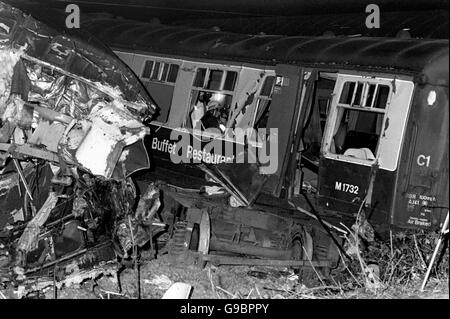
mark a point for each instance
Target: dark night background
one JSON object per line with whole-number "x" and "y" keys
{"x": 423, "y": 18}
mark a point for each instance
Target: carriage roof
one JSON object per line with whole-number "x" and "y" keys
{"x": 391, "y": 54}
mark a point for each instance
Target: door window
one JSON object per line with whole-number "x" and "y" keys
{"x": 367, "y": 120}
{"x": 360, "y": 116}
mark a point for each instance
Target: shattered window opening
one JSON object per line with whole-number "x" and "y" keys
{"x": 267, "y": 87}
{"x": 211, "y": 110}
{"x": 211, "y": 102}
{"x": 360, "y": 117}
{"x": 263, "y": 104}
{"x": 316, "y": 113}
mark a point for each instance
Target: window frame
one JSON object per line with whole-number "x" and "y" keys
{"x": 264, "y": 98}
{"x": 203, "y": 88}
{"x": 361, "y": 108}
{"x": 398, "y": 104}
{"x": 221, "y": 89}
{"x": 159, "y": 77}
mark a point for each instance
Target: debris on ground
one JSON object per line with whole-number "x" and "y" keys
{"x": 178, "y": 290}
{"x": 73, "y": 224}
{"x": 161, "y": 282}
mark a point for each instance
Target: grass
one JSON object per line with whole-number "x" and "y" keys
{"x": 392, "y": 269}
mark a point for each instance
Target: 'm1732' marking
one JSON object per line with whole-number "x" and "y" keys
{"x": 348, "y": 188}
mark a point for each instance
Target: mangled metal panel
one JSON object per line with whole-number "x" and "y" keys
{"x": 91, "y": 102}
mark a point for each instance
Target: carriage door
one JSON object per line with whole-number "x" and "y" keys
{"x": 283, "y": 115}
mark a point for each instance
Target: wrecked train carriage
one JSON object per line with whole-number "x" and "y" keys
{"x": 71, "y": 129}
{"x": 361, "y": 122}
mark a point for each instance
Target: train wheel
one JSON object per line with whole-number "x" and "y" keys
{"x": 302, "y": 249}
{"x": 184, "y": 243}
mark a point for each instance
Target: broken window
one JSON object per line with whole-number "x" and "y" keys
{"x": 360, "y": 116}
{"x": 317, "y": 93}
{"x": 367, "y": 120}
{"x": 318, "y": 99}
{"x": 211, "y": 98}
{"x": 160, "y": 71}
{"x": 263, "y": 104}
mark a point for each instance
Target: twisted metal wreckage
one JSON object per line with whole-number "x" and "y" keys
{"x": 71, "y": 128}
{"x": 73, "y": 121}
